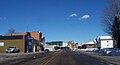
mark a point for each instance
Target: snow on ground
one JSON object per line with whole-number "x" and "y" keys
{"x": 11, "y": 56}
{"x": 110, "y": 55}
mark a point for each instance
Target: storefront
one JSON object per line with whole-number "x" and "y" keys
{"x": 24, "y": 42}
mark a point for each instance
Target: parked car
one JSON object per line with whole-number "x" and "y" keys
{"x": 12, "y": 49}
{"x": 111, "y": 51}
{"x": 46, "y": 50}
{"x": 49, "y": 48}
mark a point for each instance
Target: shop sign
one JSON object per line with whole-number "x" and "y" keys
{"x": 1, "y": 43}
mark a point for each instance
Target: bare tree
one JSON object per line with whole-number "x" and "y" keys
{"x": 109, "y": 19}
{"x": 109, "y": 15}
{"x": 11, "y": 31}
{"x": 116, "y": 30}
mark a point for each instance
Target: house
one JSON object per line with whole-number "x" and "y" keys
{"x": 104, "y": 42}
{"x": 89, "y": 46}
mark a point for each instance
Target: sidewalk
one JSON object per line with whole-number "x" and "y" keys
{"x": 21, "y": 53}
{"x": 12, "y": 56}
{"x": 111, "y": 59}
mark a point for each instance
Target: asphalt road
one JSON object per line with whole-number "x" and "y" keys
{"x": 64, "y": 57}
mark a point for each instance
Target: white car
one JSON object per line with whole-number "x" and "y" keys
{"x": 48, "y": 48}
{"x": 12, "y": 49}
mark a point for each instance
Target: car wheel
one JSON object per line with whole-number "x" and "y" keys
{"x": 18, "y": 50}
{"x": 46, "y": 50}
{"x": 14, "y": 51}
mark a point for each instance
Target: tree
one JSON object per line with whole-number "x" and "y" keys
{"x": 116, "y": 30}
{"x": 110, "y": 20}
{"x": 11, "y": 31}
{"x": 109, "y": 14}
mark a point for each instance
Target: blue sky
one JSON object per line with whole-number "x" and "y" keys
{"x": 66, "y": 20}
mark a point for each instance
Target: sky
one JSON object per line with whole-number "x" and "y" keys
{"x": 58, "y": 20}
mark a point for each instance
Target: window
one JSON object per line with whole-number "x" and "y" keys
{"x": 1, "y": 43}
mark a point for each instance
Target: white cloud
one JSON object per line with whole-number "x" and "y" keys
{"x": 73, "y": 15}
{"x": 85, "y": 17}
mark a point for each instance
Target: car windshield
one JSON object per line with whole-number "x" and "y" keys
{"x": 8, "y": 49}
{"x": 12, "y": 47}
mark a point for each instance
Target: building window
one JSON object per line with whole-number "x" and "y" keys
{"x": 1, "y": 43}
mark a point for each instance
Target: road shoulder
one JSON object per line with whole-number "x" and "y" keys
{"x": 112, "y": 59}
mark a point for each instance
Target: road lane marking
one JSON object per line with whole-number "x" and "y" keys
{"x": 50, "y": 59}
{"x": 46, "y": 58}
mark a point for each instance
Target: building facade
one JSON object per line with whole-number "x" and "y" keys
{"x": 26, "y": 42}
{"x": 57, "y": 43}
{"x": 37, "y": 39}
{"x": 7, "y": 41}
{"x": 104, "y": 42}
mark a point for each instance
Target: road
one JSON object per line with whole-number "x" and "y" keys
{"x": 63, "y": 57}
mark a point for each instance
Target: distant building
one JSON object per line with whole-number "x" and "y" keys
{"x": 72, "y": 45}
{"x": 65, "y": 44}
{"x": 91, "y": 44}
{"x": 104, "y": 42}
{"x": 57, "y": 43}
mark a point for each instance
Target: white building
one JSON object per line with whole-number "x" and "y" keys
{"x": 65, "y": 44}
{"x": 104, "y": 42}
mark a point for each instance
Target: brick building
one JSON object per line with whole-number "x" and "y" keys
{"x": 21, "y": 41}
{"x": 7, "y": 41}
{"x": 37, "y": 39}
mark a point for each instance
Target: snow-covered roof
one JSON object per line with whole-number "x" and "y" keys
{"x": 91, "y": 42}
{"x": 105, "y": 37}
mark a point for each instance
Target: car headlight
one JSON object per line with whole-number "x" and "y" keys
{"x": 11, "y": 49}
